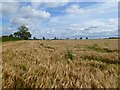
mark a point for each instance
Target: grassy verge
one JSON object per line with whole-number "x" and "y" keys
{"x": 100, "y": 59}
{"x": 98, "y": 49}
{"x": 4, "y": 39}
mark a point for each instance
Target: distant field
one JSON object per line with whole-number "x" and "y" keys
{"x": 60, "y": 64}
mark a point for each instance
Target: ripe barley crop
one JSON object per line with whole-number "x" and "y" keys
{"x": 46, "y": 64}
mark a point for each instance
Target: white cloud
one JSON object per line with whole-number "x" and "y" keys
{"x": 60, "y": 0}
{"x": 105, "y": 7}
{"x": 10, "y": 7}
{"x": 48, "y": 3}
{"x": 57, "y": 3}
{"x": 20, "y": 21}
{"x": 28, "y": 11}
{"x": 94, "y": 0}
{"x": 75, "y": 9}
{"x": 29, "y": 16}
{"x": 35, "y": 4}
{"x": 96, "y": 26}
{"x": 0, "y": 8}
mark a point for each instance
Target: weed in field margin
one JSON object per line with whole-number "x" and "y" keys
{"x": 40, "y": 43}
{"x": 49, "y": 47}
{"x": 106, "y": 44}
{"x": 106, "y": 50}
{"x": 98, "y": 65}
{"x": 99, "y": 59}
{"x": 96, "y": 48}
{"x": 77, "y": 46}
{"x": 68, "y": 54}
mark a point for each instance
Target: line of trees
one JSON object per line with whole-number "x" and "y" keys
{"x": 23, "y": 33}
{"x": 55, "y": 38}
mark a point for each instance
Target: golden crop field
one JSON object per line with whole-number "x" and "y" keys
{"x": 60, "y": 64}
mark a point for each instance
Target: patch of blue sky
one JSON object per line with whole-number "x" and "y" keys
{"x": 5, "y": 21}
{"x": 84, "y": 4}
{"x": 25, "y": 4}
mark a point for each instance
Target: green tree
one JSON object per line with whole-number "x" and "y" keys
{"x": 10, "y": 35}
{"x": 23, "y": 32}
{"x": 80, "y": 37}
{"x": 34, "y": 38}
{"x": 75, "y": 38}
{"x": 16, "y": 34}
{"x": 55, "y": 38}
{"x": 43, "y": 38}
{"x": 86, "y": 37}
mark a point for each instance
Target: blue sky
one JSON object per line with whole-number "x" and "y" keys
{"x": 61, "y": 19}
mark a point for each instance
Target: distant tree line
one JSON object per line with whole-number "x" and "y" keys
{"x": 114, "y": 38}
{"x": 55, "y": 38}
{"x": 24, "y": 34}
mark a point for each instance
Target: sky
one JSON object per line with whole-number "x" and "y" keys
{"x": 61, "y": 19}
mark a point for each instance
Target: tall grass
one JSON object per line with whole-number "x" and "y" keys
{"x": 98, "y": 49}
{"x": 100, "y": 59}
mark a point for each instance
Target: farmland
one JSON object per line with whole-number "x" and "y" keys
{"x": 60, "y": 64}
